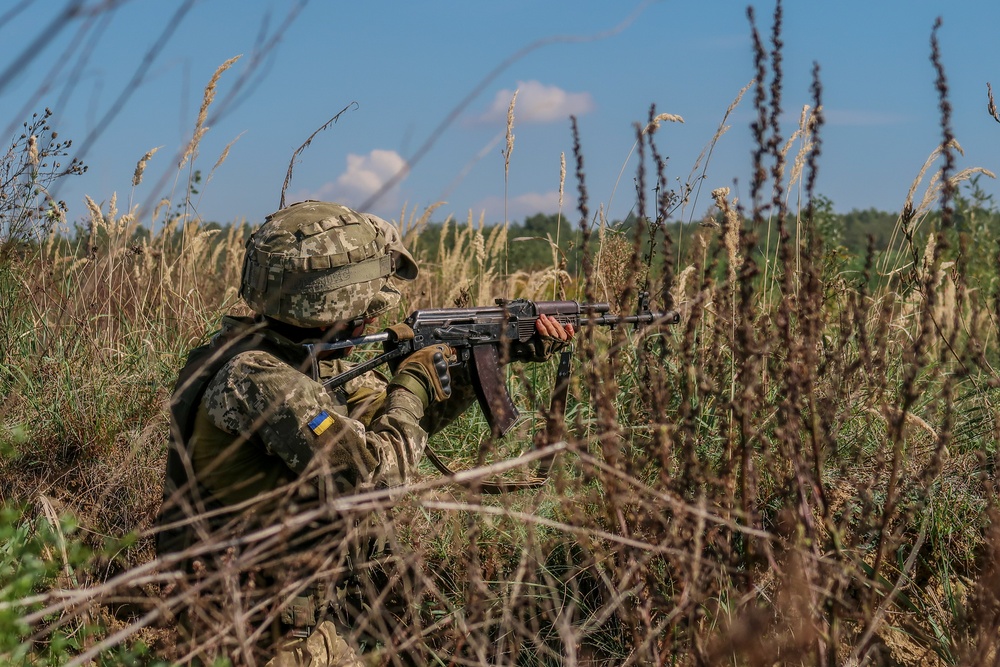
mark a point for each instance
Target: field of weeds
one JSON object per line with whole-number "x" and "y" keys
{"x": 801, "y": 471}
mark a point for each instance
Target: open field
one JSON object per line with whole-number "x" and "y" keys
{"x": 802, "y": 471}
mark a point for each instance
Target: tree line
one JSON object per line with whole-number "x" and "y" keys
{"x": 845, "y": 237}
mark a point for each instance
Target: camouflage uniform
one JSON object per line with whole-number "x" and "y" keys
{"x": 323, "y": 647}
{"x": 366, "y": 433}
{"x": 249, "y": 413}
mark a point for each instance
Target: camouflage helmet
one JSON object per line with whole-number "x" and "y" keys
{"x": 316, "y": 263}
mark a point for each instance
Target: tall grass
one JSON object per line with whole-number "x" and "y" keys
{"x": 801, "y": 471}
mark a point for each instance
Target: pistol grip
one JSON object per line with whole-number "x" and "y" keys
{"x": 491, "y": 390}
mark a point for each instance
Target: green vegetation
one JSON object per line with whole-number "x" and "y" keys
{"x": 846, "y": 236}
{"x": 801, "y": 471}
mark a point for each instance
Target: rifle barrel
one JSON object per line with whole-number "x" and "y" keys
{"x": 671, "y": 317}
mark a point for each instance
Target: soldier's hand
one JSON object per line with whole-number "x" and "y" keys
{"x": 548, "y": 327}
{"x": 429, "y": 367}
{"x": 550, "y": 337}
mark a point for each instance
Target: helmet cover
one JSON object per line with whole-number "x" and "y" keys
{"x": 313, "y": 264}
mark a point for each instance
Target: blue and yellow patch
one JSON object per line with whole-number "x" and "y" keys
{"x": 320, "y": 423}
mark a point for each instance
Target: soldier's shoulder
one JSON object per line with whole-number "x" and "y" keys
{"x": 253, "y": 372}
{"x": 255, "y": 362}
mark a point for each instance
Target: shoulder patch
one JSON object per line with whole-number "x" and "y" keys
{"x": 321, "y": 422}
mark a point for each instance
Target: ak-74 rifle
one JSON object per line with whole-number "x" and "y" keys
{"x": 484, "y": 337}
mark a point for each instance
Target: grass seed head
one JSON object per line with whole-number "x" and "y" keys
{"x": 140, "y": 166}
{"x": 207, "y": 98}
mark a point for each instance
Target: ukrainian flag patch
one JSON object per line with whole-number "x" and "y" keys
{"x": 320, "y": 423}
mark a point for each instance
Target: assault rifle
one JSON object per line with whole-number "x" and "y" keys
{"x": 485, "y": 336}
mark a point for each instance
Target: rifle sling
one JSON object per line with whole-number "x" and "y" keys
{"x": 554, "y": 429}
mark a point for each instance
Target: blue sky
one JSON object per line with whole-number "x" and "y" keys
{"x": 403, "y": 69}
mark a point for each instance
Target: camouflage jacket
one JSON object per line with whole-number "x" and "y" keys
{"x": 247, "y": 417}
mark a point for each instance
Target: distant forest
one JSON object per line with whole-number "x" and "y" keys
{"x": 845, "y": 236}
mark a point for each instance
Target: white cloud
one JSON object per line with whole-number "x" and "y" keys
{"x": 538, "y": 202}
{"x": 518, "y": 207}
{"x": 538, "y": 103}
{"x": 364, "y": 176}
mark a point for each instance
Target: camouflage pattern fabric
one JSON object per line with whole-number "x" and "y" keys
{"x": 256, "y": 430}
{"x": 292, "y": 419}
{"x": 317, "y": 263}
{"x": 322, "y": 648}
{"x": 403, "y": 262}
{"x": 261, "y": 422}
{"x": 251, "y": 420}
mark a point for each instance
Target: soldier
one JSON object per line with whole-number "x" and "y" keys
{"x": 250, "y": 416}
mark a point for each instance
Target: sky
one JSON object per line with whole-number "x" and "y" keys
{"x": 425, "y": 89}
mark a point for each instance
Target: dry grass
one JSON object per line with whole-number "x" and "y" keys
{"x": 782, "y": 478}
